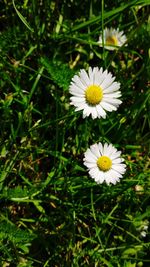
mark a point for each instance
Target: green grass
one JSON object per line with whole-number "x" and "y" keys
{"x": 52, "y": 213}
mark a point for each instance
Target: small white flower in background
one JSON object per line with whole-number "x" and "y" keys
{"x": 143, "y": 229}
{"x": 95, "y": 92}
{"x": 143, "y": 234}
{"x": 104, "y": 163}
{"x": 139, "y": 189}
{"x": 113, "y": 38}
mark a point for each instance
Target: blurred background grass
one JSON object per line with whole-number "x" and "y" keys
{"x": 52, "y": 213}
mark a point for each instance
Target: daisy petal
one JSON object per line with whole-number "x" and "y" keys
{"x": 107, "y": 106}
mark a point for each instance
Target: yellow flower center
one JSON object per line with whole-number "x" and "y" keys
{"x": 111, "y": 40}
{"x": 94, "y": 94}
{"x": 104, "y": 163}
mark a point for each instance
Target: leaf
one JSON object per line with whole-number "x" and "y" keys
{"x": 129, "y": 252}
{"x": 18, "y": 192}
{"x": 60, "y": 73}
{"x": 14, "y": 234}
{"x": 21, "y": 17}
{"x": 108, "y": 14}
{"x": 129, "y": 264}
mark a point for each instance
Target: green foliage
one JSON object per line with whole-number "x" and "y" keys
{"x": 60, "y": 73}
{"x": 14, "y": 241}
{"x": 13, "y": 234}
{"x": 52, "y": 212}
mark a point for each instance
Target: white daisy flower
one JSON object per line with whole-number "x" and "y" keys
{"x": 94, "y": 92}
{"x": 104, "y": 163}
{"x": 112, "y": 39}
